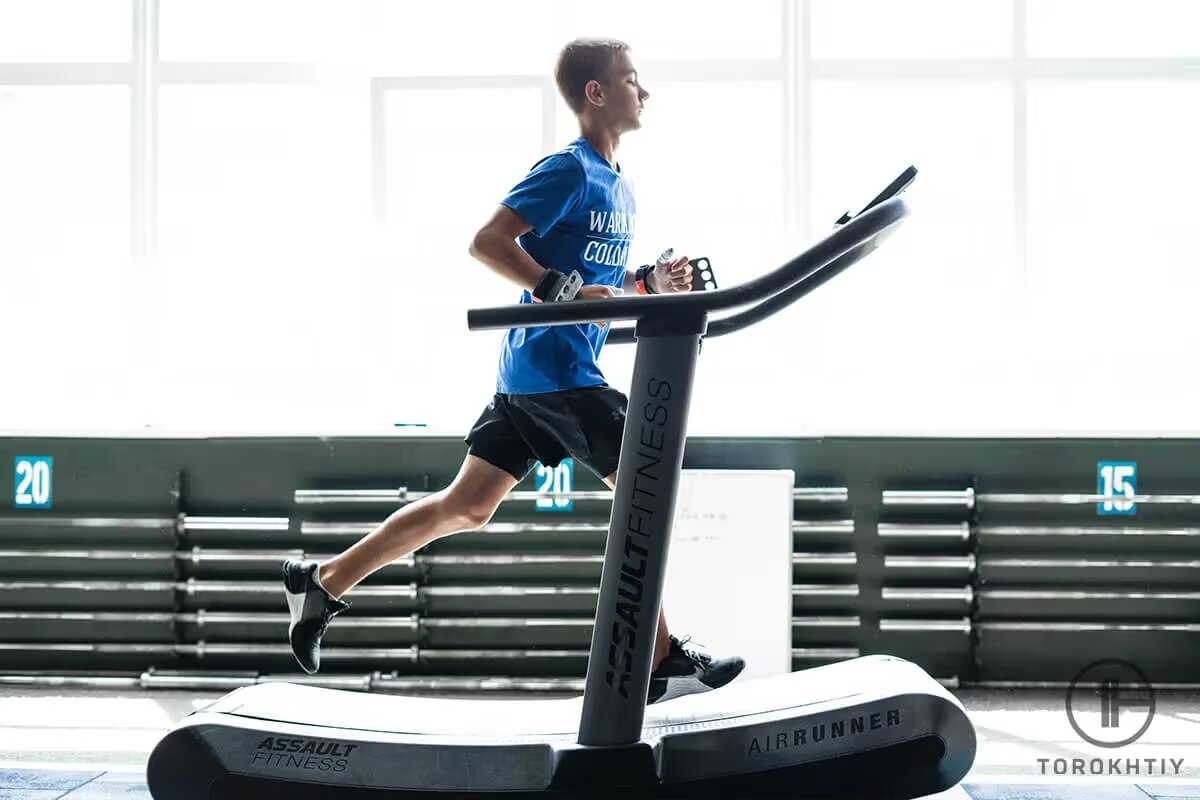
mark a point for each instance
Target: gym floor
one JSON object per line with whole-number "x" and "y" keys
{"x": 92, "y": 745}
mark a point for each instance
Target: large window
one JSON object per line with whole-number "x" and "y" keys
{"x": 260, "y": 31}
{"x": 1112, "y": 253}
{"x": 446, "y": 171}
{"x": 262, "y": 190}
{"x": 65, "y": 31}
{"x": 254, "y": 215}
{"x": 65, "y": 303}
{"x": 1107, "y": 29}
{"x": 914, "y": 29}
{"x": 918, "y": 311}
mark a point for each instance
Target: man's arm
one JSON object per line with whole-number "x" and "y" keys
{"x": 496, "y": 246}
{"x": 670, "y": 276}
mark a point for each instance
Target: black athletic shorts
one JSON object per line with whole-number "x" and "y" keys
{"x": 518, "y": 430}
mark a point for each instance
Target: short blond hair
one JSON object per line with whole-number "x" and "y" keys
{"x": 581, "y": 61}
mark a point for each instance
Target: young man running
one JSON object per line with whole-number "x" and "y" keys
{"x": 573, "y": 213}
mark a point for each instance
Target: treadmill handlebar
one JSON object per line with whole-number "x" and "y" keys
{"x": 857, "y": 234}
{"x": 626, "y": 334}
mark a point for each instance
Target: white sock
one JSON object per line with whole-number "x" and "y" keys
{"x": 316, "y": 576}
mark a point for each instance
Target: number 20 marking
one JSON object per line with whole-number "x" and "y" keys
{"x": 553, "y": 483}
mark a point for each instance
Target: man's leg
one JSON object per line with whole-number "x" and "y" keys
{"x": 466, "y": 504}
{"x": 662, "y": 640}
{"x": 314, "y": 591}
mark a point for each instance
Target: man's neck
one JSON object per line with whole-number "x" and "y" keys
{"x": 603, "y": 141}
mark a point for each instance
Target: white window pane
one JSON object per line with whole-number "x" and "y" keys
{"x": 674, "y": 29}
{"x": 265, "y": 167}
{"x": 1114, "y": 274}
{"x": 445, "y": 178}
{"x": 263, "y": 193}
{"x": 900, "y": 329}
{"x": 464, "y": 37}
{"x": 64, "y": 252}
{"x": 1113, "y": 28}
{"x": 64, "y": 157}
{"x": 912, "y": 29}
{"x": 65, "y": 30}
{"x": 525, "y": 36}
{"x": 257, "y": 30}
{"x": 714, "y": 189}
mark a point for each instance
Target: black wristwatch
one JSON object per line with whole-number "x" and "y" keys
{"x": 642, "y": 279}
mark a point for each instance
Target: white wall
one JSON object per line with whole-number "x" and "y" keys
{"x": 253, "y": 216}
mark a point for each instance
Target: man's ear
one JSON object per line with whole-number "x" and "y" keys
{"x": 594, "y": 93}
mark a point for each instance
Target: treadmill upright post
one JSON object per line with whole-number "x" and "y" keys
{"x": 643, "y": 507}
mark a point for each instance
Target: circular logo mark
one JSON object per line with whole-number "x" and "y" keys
{"x": 1110, "y": 703}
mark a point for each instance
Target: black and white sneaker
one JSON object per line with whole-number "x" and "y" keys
{"x": 686, "y": 671}
{"x": 311, "y": 608}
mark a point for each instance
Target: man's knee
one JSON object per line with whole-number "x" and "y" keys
{"x": 469, "y": 510}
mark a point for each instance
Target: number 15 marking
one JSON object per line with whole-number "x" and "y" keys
{"x": 1117, "y": 479}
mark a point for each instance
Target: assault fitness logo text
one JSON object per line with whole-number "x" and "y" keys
{"x": 285, "y": 752}
{"x": 1110, "y": 704}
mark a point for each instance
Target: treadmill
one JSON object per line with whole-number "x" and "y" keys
{"x": 875, "y": 726}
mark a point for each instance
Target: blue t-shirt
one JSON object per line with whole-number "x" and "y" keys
{"x": 583, "y": 215}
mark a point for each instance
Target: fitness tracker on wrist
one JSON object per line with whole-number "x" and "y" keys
{"x": 642, "y": 278}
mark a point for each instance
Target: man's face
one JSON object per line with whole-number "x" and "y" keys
{"x": 624, "y": 96}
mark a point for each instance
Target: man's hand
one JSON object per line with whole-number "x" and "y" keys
{"x": 673, "y": 276}
{"x": 596, "y": 292}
